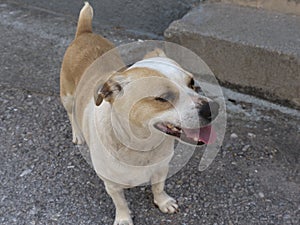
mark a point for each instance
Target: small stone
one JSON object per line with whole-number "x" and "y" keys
{"x": 233, "y": 135}
{"x": 286, "y": 217}
{"x": 206, "y": 204}
{"x": 251, "y": 135}
{"x": 33, "y": 211}
{"x": 261, "y": 195}
{"x": 25, "y": 172}
{"x": 180, "y": 200}
{"x": 245, "y": 148}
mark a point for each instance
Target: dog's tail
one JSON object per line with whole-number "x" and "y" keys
{"x": 85, "y": 20}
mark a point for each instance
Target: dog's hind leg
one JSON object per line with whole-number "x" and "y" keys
{"x": 68, "y": 101}
{"x": 165, "y": 203}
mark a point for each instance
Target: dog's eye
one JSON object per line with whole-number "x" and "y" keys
{"x": 160, "y": 99}
{"x": 166, "y": 97}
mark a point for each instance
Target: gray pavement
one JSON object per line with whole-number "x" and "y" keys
{"x": 152, "y": 17}
{"x": 45, "y": 180}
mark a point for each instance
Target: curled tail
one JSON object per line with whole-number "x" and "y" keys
{"x": 85, "y": 20}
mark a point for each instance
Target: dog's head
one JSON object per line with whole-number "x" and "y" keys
{"x": 156, "y": 95}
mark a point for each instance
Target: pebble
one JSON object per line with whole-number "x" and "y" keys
{"x": 233, "y": 135}
{"x": 206, "y": 204}
{"x": 286, "y": 217}
{"x": 25, "y": 172}
{"x": 251, "y": 135}
{"x": 261, "y": 195}
{"x": 245, "y": 148}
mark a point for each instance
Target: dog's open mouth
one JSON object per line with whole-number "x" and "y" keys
{"x": 198, "y": 136}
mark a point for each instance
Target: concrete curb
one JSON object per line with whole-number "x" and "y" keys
{"x": 255, "y": 51}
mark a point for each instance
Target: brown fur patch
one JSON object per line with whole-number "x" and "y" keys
{"x": 143, "y": 111}
{"x": 82, "y": 52}
{"x": 148, "y": 108}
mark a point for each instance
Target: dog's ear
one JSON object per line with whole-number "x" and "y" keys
{"x": 155, "y": 53}
{"x": 109, "y": 90}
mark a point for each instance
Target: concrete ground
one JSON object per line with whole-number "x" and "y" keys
{"x": 255, "y": 178}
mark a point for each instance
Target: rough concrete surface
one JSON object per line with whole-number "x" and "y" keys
{"x": 45, "y": 180}
{"x": 255, "y": 50}
{"x": 139, "y": 15}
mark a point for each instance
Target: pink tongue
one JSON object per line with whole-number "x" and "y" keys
{"x": 205, "y": 134}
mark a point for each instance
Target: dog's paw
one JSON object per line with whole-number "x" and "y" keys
{"x": 123, "y": 221}
{"x": 166, "y": 204}
{"x": 78, "y": 139}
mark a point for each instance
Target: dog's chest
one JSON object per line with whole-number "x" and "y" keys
{"x": 112, "y": 160}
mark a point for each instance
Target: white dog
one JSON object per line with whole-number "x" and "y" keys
{"x": 131, "y": 120}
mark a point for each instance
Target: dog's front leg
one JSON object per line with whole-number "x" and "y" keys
{"x": 122, "y": 211}
{"x": 165, "y": 203}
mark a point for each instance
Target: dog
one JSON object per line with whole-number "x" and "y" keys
{"x": 131, "y": 119}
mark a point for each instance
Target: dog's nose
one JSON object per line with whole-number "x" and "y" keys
{"x": 209, "y": 110}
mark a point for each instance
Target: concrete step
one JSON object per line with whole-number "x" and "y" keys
{"x": 253, "y": 50}
{"x": 284, "y": 6}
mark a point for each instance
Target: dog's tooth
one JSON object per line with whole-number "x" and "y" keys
{"x": 195, "y": 139}
{"x": 170, "y": 126}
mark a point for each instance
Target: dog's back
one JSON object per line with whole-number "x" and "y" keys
{"x": 82, "y": 52}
